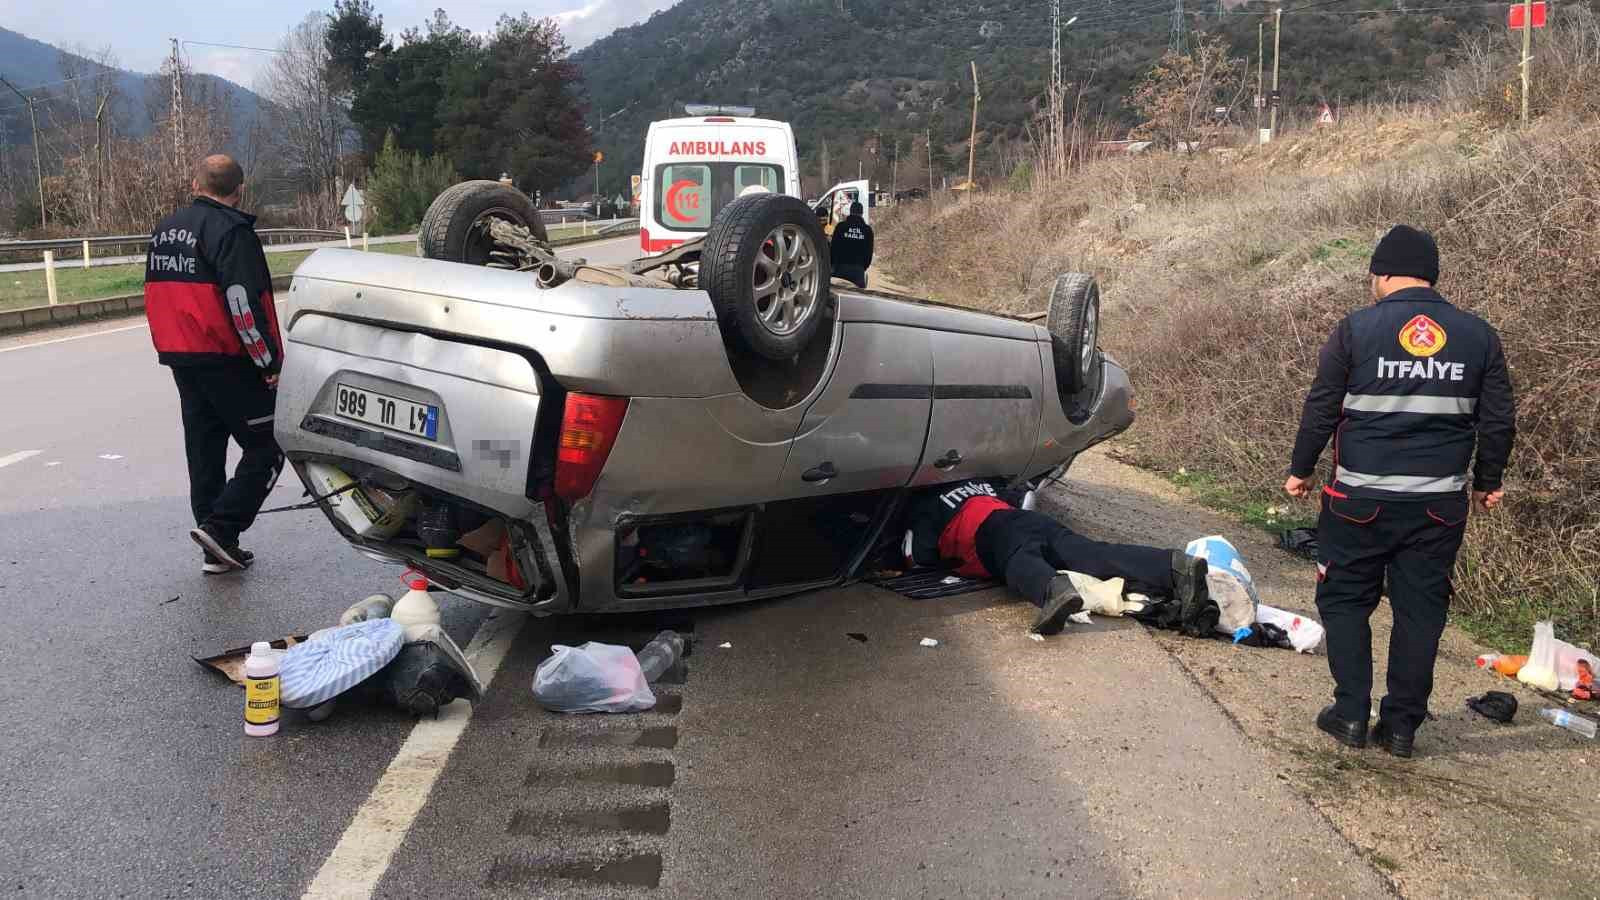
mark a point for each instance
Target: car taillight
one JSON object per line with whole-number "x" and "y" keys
{"x": 589, "y": 427}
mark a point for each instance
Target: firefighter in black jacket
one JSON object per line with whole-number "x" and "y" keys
{"x": 1405, "y": 388}
{"x": 208, "y": 297}
{"x": 975, "y": 528}
{"x": 851, "y": 248}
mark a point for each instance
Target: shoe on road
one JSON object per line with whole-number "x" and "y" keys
{"x": 218, "y": 551}
{"x": 214, "y": 566}
{"x": 1392, "y": 740}
{"x": 1064, "y": 601}
{"x": 1350, "y": 734}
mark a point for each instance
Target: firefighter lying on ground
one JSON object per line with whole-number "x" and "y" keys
{"x": 977, "y": 529}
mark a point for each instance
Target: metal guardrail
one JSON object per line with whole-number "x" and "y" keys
{"x": 619, "y": 226}
{"x": 113, "y": 240}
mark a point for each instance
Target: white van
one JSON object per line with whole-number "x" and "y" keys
{"x": 832, "y": 208}
{"x": 695, "y": 166}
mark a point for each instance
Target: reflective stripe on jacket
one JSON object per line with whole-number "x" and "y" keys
{"x": 1407, "y": 389}
{"x": 207, "y": 290}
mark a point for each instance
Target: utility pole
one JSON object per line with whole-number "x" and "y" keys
{"x": 825, "y": 182}
{"x": 38, "y": 166}
{"x": 177, "y": 109}
{"x": 1055, "y": 49}
{"x": 930, "y": 163}
{"x": 1261, "y": 43}
{"x": 1175, "y": 45}
{"x": 1277, "y": 36}
{"x": 894, "y": 177}
{"x": 1527, "y": 51}
{"x": 972, "y": 144}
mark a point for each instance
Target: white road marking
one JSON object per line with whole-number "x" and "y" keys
{"x": 17, "y": 457}
{"x": 357, "y": 863}
{"x": 76, "y": 337}
{"x": 111, "y": 456}
{"x": 49, "y": 465}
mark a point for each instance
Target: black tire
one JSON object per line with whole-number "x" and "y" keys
{"x": 1074, "y": 326}
{"x": 453, "y": 227}
{"x": 773, "y": 299}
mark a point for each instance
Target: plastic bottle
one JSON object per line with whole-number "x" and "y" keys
{"x": 261, "y": 690}
{"x": 660, "y": 654}
{"x": 1487, "y": 660}
{"x": 417, "y": 606}
{"x": 1569, "y": 721}
{"x": 1510, "y": 665}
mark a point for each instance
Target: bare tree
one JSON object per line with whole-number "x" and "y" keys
{"x": 308, "y": 119}
{"x": 1178, "y": 95}
{"x": 83, "y": 119}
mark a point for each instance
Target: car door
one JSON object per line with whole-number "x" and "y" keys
{"x": 867, "y": 429}
{"x": 987, "y": 398}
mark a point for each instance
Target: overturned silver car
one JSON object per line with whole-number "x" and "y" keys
{"x": 719, "y": 424}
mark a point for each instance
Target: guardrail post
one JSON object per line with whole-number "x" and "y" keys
{"x": 347, "y": 244}
{"x": 50, "y": 276}
{"x": 366, "y": 242}
{"x": 86, "y": 254}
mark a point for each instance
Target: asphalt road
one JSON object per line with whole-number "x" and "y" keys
{"x": 795, "y": 761}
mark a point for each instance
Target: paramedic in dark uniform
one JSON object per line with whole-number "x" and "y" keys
{"x": 1406, "y": 388}
{"x": 208, "y": 297}
{"x": 851, "y": 248}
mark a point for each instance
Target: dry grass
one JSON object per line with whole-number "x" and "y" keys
{"x": 1224, "y": 274}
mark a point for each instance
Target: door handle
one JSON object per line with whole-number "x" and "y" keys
{"x": 949, "y": 460}
{"x": 824, "y": 472}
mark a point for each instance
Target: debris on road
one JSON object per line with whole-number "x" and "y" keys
{"x": 1301, "y": 542}
{"x": 664, "y": 651}
{"x": 1571, "y": 721}
{"x": 856, "y": 636}
{"x": 593, "y": 678}
{"x": 337, "y": 659}
{"x": 1035, "y": 636}
{"x": 1229, "y": 583}
{"x": 377, "y": 606}
{"x": 725, "y": 645}
{"x": 172, "y": 600}
{"x": 1304, "y": 634}
{"x": 1540, "y": 670}
{"x": 929, "y": 642}
{"x": 230, "y": 663}
{"x": 261, "y": 690}
{"x": 1497, "y": 705}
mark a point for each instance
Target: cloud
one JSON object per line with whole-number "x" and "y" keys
{"x": 585, "y": 24}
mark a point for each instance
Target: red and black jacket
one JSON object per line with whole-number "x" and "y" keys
{"x": 943, "y": 523}
{"x": 208, "y": 292}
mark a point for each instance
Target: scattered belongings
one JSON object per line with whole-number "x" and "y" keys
{"x": 664, "y": 652}
{"x": 230, "y": 663}
{"x": 725, "y": 646}
{"x": 1229, "y": 583}
{"x": 337, "y": 659}
{"x": 1497, "y": 705}
{"x": 929, "y": 642}
{"x": 1540, "y": 670}
{"x": 1571, "y": 721}
{"x": 1304, "y": 634}
{"x": 592, "y": 678}
{"x": 1301, "y": 542}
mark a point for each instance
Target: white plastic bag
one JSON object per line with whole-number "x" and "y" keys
{"x": 1304, "y": 633}
{"x": 1567, "y": 656}
{"x": 1228, "y": 582}
{"x": 592, "y": 678}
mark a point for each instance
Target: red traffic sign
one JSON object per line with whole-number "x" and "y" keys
{"x": 1515, "y": 15}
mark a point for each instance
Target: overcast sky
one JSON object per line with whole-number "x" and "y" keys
{"x": 140, "y": 31}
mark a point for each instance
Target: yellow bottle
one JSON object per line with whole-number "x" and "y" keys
{"x": 261, "y": 690}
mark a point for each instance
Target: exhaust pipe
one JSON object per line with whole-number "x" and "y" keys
{"x": 552, "y": 273}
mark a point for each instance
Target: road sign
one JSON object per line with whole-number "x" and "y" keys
{"x": 637, "y": 184}
{"x": 1514, "y": 16}
{"x": 354, "y": 204}
{"x": 599, "y": 157}
{"x": 1326, "y": 116}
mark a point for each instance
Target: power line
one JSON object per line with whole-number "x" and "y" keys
{"x": 231, "y": 46}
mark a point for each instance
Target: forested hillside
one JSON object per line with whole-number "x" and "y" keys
{"x": 855, "y": 73}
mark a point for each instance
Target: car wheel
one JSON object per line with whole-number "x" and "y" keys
{"x": 1074, "y": 326}
{"x": 455, "y": 227}
{"x": 766, "y": 267}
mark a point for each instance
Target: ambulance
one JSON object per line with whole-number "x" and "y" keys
{"x": 694, "y": 166}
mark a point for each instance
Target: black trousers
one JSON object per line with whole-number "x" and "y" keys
{"x": 1029, "y": 548}
{"x": 1361, "y": 544}
{"x": 856, "y": 275}
{"x": 219, "y": 402}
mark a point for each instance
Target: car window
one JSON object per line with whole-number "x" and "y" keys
{"x": 689, "y": 195}
{"x": 747, "y": 176}
{"x": 683, "y": 195}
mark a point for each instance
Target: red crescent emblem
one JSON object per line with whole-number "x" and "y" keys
{"x": 676, "y": 199}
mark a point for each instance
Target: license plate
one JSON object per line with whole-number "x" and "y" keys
{"x": 384, "y": 411}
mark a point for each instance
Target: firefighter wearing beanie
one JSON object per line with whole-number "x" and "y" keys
{"x": 1408, "y": 389}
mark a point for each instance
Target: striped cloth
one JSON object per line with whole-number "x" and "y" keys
{"x": 336, "y": 660}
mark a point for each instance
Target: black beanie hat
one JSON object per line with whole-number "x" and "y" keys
{"x": 1407, "y": 251}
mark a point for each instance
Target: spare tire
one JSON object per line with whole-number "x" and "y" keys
{"x": 1074, "y": 325}
{"x": 455, "y": 226}
{"x": 766, "y": 267}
